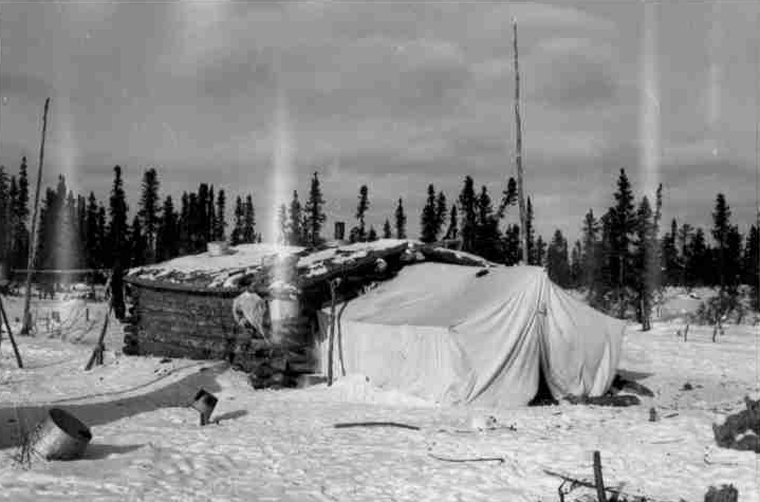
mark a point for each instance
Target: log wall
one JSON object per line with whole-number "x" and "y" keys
{"x": 200, "y": 325}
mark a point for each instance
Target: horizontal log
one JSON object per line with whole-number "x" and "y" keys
{"x": 155, "y": 348}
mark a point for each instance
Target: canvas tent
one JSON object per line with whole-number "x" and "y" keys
{"x": 446, "y": 333}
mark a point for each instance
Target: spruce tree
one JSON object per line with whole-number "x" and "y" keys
{"x": 682, "y": 248}
{"x": 508, "y": 198}
{"x": 82, "y": 229}
{"x": 4, "y": 222}
{"x": 720, "y": 232}
{"x": 751, "y": 260}
{"x": 211, "y": 215}
{"x": 372, "y": 235}
{"x": 237, "y": 230}
{"x": 605, "y": 279}
{"x": 487, "y": 234}
{"x": 103, "y": 246}
{"x": 249, "y": 222}
{"x": 622, "y": 234}
{"x": 118, "y": 241}
{"x": 428, "y": 219}
{"x": 512, "y": 251}
{"x": 295, "y": 230}
{"x": 361, "y": 211}
{"x": 138, "y": 243}
{"x": 387, "y": 233}
{"x": 670, "y": 261}
{"x": 400, "y": 220}
{"x": 220, "y": 219}
{"x": 557, "y": 261}
{"x": 576, "y": 264}
{"x": 201, "y": 217}
{"x": 645, "y": 261}
{"x": 195, "y": 223}
{"x": 148, "y": 213}
{"x": 184, "y": 224}
{"x": 92, "y": 242}
{"x": 540, "y": 252}
{"x": 21, "y": 218}
{"x": 699, "y": 266}
{"x": 530, "y": 233}
{"x": 167, "y": 237}
{"x": 468, "y": 206}
{"x": 452, "y": 232}
{"x": 733, "y": 257}
{"x": 440, "y": 213}
{"x": 590, "y": 254}
{"x": 315, "y": 215}
{"x": 13, "y": 221}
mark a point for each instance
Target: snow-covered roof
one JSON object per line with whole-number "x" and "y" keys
{"x": 224, "y": 271}
{"x": 236, "y": 269}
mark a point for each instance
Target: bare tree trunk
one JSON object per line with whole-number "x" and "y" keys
{"x": 26, "y": 324}
{"x": 10, "y": 334}
{"x": 518, "y": 156}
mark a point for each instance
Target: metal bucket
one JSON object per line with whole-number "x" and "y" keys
{"x": 61, "y": 436}
{"x": 204, "y": 402}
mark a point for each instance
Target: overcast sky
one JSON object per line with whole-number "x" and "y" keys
{"x": 255, "y": 96}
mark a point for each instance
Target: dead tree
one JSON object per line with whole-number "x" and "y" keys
{"x": 10, "y": 334}
{"x": 26, "y": 320}
{"x": 518, "y": 155}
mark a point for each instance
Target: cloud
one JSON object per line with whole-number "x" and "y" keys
{"x": 23, "y": 86}
{"x": 572, "y": 73}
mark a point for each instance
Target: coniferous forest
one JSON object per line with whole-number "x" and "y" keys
{"x": 623, "y": 255}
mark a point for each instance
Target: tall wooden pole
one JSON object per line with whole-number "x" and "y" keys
{"x": 26, "y": 324}
{"x": 518, "y": 155}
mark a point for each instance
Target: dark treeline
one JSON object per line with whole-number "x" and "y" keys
{"x": 78, "y": 231}
{"x": 621, "y": 260}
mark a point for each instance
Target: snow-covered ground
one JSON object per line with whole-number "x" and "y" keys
{"x": 282, "y": 445}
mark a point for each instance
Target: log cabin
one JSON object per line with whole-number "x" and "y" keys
{"x": 184, "y": 307}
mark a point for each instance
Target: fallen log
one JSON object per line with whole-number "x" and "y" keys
{"x": 376, "y": 424}
{"x": 474, "y": 459}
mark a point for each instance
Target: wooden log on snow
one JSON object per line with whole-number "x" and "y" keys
{"x": 598, "y": 479}
{"x": 61, "y": 436}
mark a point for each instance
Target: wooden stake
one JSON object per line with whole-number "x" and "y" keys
{"x": 331, "y": 341}
{"x": 518, "y": 155}
{"x": 26, "y": 325}
{"x": 598, "y": 480}
{"x": 340, "y": 340}
{"x": 100, "y": 348}
{"x": 10, "y": 334}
